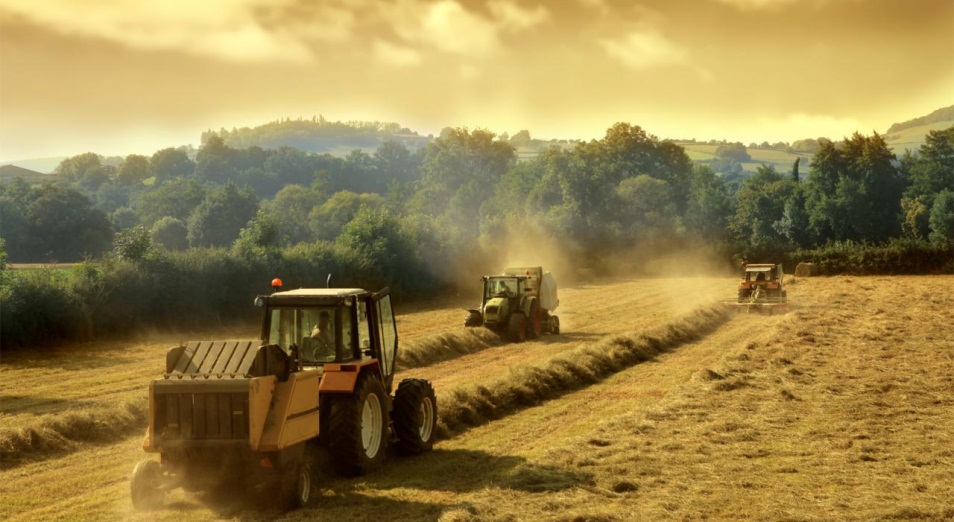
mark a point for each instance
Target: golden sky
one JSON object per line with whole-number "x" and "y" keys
{"x": 134, "y": 76}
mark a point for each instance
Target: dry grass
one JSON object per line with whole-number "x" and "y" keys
{"x": 842, "y": 409}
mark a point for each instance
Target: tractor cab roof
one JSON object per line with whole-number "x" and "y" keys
{"x": 312, "y": 296}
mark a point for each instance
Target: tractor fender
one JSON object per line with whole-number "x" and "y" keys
{"x": 341, "y": 378}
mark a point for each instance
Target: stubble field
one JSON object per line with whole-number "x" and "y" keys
{"x": 654, "y": 404}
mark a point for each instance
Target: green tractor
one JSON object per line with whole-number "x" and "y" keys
{"x": 518, "y": 304}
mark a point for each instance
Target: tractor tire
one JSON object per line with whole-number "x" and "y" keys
{"x": 414, "y": 416}
{"x": 473, "y": 320}
{"x": 296, "y": 486}
{"x": 358, "y": 427}
{"x": 517, "y": 327}
{"x": 555, "y": 327}
{"x": 145, "y": 485}
{"x": 534, "y": 327}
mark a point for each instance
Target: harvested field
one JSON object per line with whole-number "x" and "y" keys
{"x": 842, "y": 409}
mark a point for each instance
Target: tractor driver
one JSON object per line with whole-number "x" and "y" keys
{"x": 324, "y": 336}
{"x": 503, "y": 288}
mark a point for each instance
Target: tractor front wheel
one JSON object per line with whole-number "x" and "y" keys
{"x": 146, "y": 485}
{"x": 296, "y": 486}
{"x": 517, "y": 327}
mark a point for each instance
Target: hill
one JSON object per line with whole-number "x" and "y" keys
{"x": 943, "y": 116}
{"x": 10, "y": 172}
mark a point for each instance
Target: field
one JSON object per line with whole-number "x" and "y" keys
{"x": 655, "y": 403}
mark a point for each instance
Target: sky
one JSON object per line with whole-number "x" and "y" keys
{"x": 117, "y": 77}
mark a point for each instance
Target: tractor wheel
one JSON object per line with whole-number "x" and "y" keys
{"x": 517, "y": 327}
{"x": 296, "y": 485}
{"x": 554, "y": 325}
{"x": 145, "y": 485}
{"x": 473, "y": 320}
{"x": 534, "y": 328}
{"x": 357, "y": 428}
{"x": 415, "y": 416}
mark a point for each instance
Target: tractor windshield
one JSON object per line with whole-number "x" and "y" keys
{"x": 502, "y": 286}
{"x": 320, "y": 333}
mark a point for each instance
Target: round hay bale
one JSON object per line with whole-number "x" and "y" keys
{"x": 805, "y": 269}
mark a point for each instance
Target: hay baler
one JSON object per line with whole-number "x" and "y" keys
{"x": 518, "y": 304}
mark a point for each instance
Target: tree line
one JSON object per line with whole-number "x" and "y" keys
{"x": 420, "y": 217}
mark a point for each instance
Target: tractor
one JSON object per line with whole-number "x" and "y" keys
{"x": 518, "y": 304}
{"x": 250, "y": 415}
{"x": 762, "y": 283}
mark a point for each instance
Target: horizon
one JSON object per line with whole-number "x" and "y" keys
{"x": 138, "y": 77}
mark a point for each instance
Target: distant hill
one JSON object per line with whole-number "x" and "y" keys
{"x": 11, "y": 172}
{"x": 945, "y": 115}
{"x": 319, "y": 135}
{"x": 41, "y": 165}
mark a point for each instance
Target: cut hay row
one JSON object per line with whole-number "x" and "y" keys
{"x": 63, "y": 433}
{"x": 444, "y": 347}
{"x": 528, "y": 386}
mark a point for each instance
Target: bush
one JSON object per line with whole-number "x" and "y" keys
{"x": 897, "y": 257}
{"x": 39, "y": 308}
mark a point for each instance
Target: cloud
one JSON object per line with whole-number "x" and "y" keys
{"x": 513, "y": 17}
{"x": 752, "y": 5}
{"x": 644, "y": 49}
{"x": 225, "y": 30}
{"x": 396, "y": 55}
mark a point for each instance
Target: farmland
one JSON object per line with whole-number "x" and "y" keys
{"x": 841, "y": 409}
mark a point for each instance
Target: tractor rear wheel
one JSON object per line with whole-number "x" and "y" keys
{"x": 145, "y": 485}
{"x": 415, "y": 416}
{"x": 517, "y": 327}
{"x": 555, "y": 325}
{"x": 357, "y": 428}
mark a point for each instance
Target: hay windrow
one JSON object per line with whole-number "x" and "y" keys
{"x": 444, "y": 347}
{"x": 527, "y": 386}
{"x": 64, "y": 432}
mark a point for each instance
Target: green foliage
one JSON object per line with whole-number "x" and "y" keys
{"x": 170, "y": 233}
{"x": 132, "y": 244}
{"x": 176, "y": 199}
{"x": 133, "y": 170}
{"x": 942, "y": 219}
{"x": 75, "y": 168}
{"x": 39, "y": 308}
{"x": 260, "y": 239}
{"x": 170, "y": 163}
{"x": 51, "y": 222}
{"x": 898, "y": 256}
{"x": 734, "y": 151}
{"x": 219, "y": 218}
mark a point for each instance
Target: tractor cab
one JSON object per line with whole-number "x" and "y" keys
{"x": 321, "y": 326}
{"x": 761, "y": 281}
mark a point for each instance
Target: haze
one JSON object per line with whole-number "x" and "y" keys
{"x": 134, "y": 76}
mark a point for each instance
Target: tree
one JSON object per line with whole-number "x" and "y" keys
{"x": 218, "y": 220}
{"x": 942, "y": 218}
{"x": 133, "y": 170}
{"x": 854, "y": 190}
{"x": 709, "y": 206}
{"x": 168, "y": 164}
{"x": 328, "y": 220}
{"x": 123, "y": 218}
{"x": 170, "y": 233}
{"x": 291, "y": 207}
{"x": 177, "y": 199}
{"x": 260, "y": 239}
{"x": 75, "y": 167}
{"x": 132, "y": 244}
{"x": 932, "y": 169}
{"x": 734, "y": 151}
{"x": 65, "y": 225}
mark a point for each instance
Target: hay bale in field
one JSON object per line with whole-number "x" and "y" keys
{"x": 805, "y": 270}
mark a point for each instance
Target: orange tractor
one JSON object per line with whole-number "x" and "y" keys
{"x": 248, "y": 415}
{"x": 762, "y": 287}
